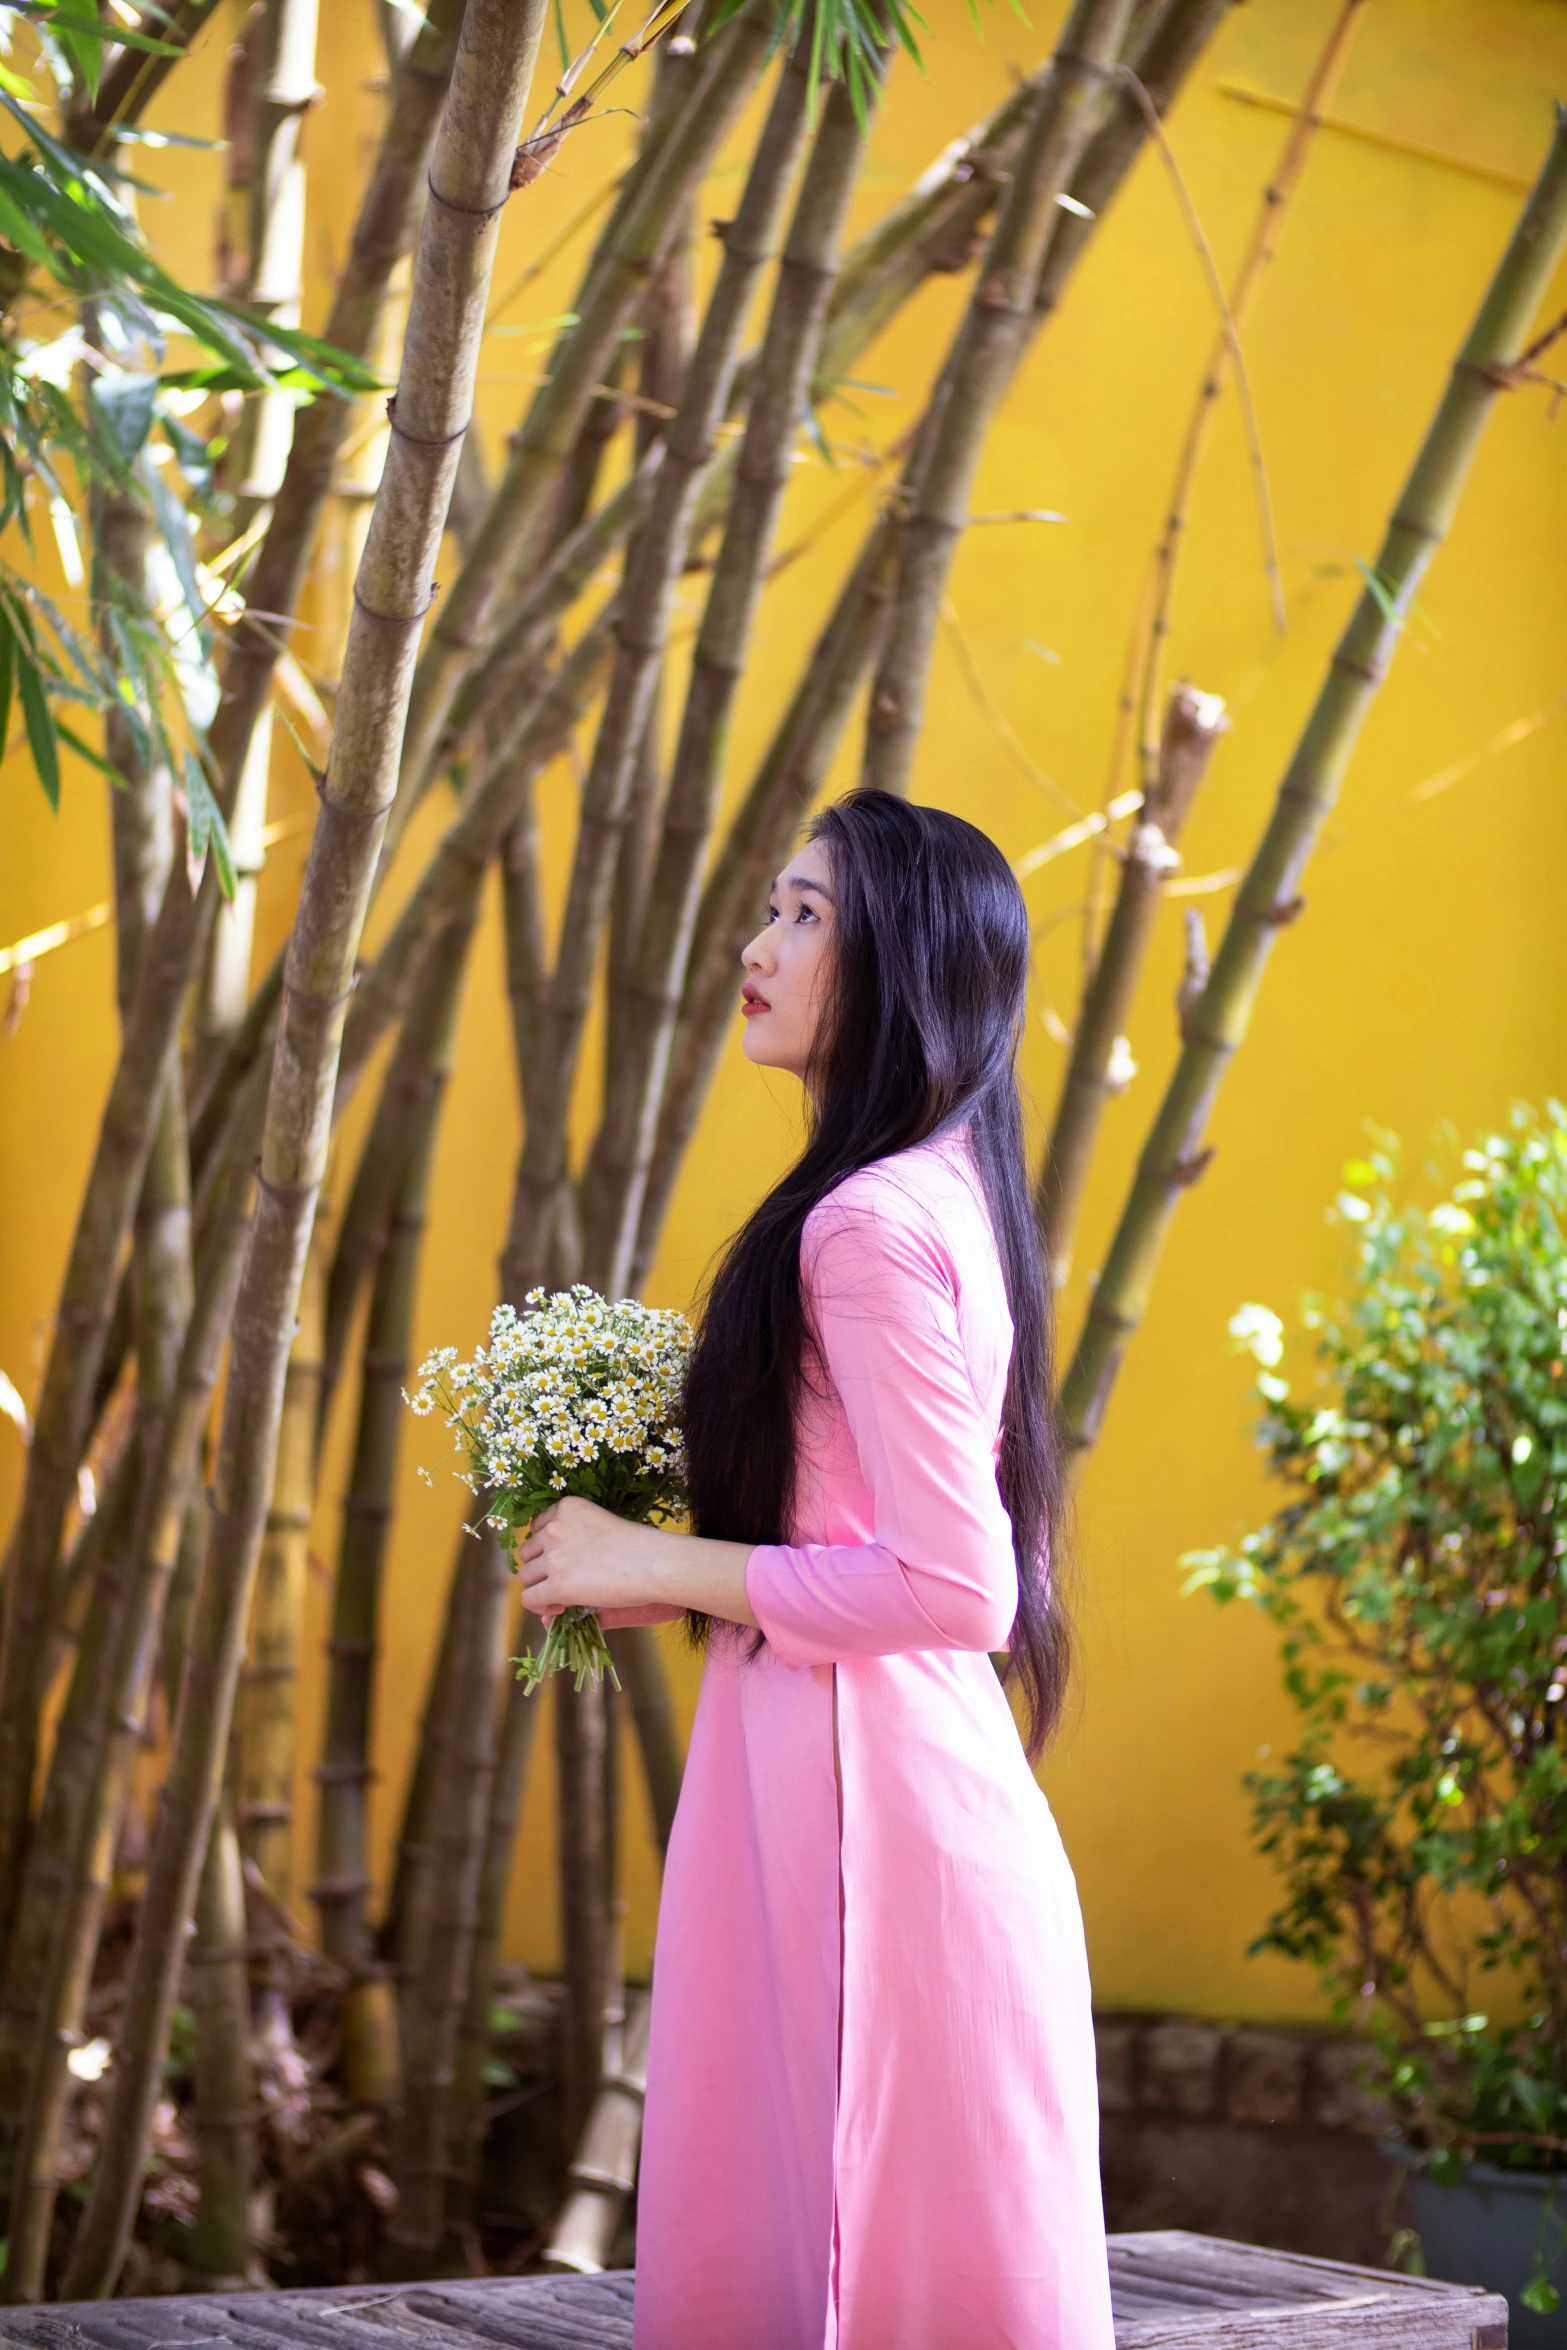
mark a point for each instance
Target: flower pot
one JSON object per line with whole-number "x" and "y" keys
{"x": 1497, "y": 2228}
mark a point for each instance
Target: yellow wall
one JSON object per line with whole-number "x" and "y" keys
{"x": 1425, "y": 981}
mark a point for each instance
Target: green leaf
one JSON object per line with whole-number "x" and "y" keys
{"x": 39, "y": 719}
{"x": 83, "y": 750}
{"x": 126, "y": 399}
{"x": 206, "y": 828}
{"x": 1540, "y": 2295}
{"x": 7, "y": 671}
{"x": 77, "y": 27}
{"x": 21, "y": 230}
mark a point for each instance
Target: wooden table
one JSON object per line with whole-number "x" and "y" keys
{"x": 1172, "y": 2292}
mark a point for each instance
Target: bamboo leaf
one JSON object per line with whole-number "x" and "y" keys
{"x": 39, "y": 719}
{"x": 21, "y": 230}
{"x": 87, "y": 30}
{"x": 126, "y": 400}
{"x": 84, "y": 750}
{"x": 205, "y": 829}
{"x": 7, "y": 671}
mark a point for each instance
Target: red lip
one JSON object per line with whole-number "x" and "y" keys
{"x": 752, "y": 1000}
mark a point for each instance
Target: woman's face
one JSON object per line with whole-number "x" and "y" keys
{"x": 786, "y": 965}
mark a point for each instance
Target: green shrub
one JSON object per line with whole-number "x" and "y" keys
{"x": 1416, "y": 1572}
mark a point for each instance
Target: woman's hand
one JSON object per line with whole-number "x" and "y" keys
{"x": 578, "y": 1555}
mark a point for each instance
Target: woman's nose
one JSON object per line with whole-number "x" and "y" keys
{"x": 755, "y": 956}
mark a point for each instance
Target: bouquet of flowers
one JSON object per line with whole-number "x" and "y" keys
{"x": 572, "y": 1395}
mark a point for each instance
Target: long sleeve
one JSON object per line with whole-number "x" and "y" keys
{"x": 939, "y": 1571}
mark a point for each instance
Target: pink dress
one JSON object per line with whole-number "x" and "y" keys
{"x": 871, "y": 2116}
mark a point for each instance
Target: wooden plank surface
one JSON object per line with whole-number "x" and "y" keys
{"x": 1171, "y": 2291}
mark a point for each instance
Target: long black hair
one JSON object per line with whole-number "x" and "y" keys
{"x": 919, "y": 1033}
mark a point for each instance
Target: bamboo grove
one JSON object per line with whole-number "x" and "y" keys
{"x": 653, "y": 455}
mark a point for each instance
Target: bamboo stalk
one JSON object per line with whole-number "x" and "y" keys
{"x": 400, "y": 1940}
{"x": 519, "y": 1720}
{"x": 671, "y": 332}
{"x": 991, "y": 341}
{"x": 1161, "y": 48}
{"x": 932, "y": 231}
{"x": 435, "y": 1996}
{"x": 69, "y": 1864}
{"x": 617, "y": 1170}
{"x": 604, "y": 2170}
{"x": 417, "y": 1064}
{"x": 119, "y": 1480}
{"x": 468, "y": 183}
{"x": 280, "y": 88}
{"x": 1192, "y": 727}
{"x": 266, "y": 1726}
{"x": 634, "y": 1650}
{"x": 1269, "y": 897}
{"x": 383, "y": 235}
{"x": 221, "y": 2253}
{"x": 579, "y": 1773}
{"x": 1261, "y": 246}
{"x": 929, "y": 231}
{"x": 342, "y": 1845}
{"x": 632, "y": 245}
{"x": 125, "y": 1134}
{"x": 46, "y": 1879}
{"x": 527, "y": 971}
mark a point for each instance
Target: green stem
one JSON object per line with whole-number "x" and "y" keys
{"x": 1269, "y": 897}
{"x": 1192, "y": 727}
{"x": 220, "y": 2247}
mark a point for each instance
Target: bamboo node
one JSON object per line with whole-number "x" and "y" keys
{"x": 377, "y": 1512}
{"x": 346, "y": 1774}
{"x": 333, "y": 1889}
{"x": 1189, "y": 1170}
{"x": 422, "y": 440}
{"x": 283, "y": 1191}
{"x": 1415, "y": 530}
{"x": 397, "y": 619}
{"x": 1287, "y": 911}
{"x": 318, "y": 1003}
{"x": 465, "y": 211}
{"x": 1149, "y": 847}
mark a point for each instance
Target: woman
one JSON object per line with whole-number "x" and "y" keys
{"x": 871, "y": 2119}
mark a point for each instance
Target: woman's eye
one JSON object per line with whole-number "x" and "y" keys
{"x": 772, "y": 913}
{"x": 806, "y": 914}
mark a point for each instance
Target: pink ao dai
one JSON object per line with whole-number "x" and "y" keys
{"x": 871, "y": 2117}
